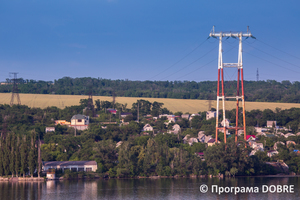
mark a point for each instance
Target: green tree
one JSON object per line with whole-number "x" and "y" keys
{"x": 23, "y": 156}
{"x": 32, "y": 154}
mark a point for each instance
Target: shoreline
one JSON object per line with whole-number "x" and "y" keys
{"x": 36, "y": 179}
{"x": 21, "y": 179}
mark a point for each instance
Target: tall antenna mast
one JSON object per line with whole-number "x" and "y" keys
{"x": 238, "y": 97}
{"x": 257, "y": 75}
{"x": 15, "y": 90}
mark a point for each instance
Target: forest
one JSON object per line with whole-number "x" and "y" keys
{"x": 262, "y": 91}
{"x": 141, "y": 154}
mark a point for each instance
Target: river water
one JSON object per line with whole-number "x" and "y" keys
{"x": 180, "y": 188}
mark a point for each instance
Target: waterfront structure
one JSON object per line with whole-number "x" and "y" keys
{"x": 87, "y": 166}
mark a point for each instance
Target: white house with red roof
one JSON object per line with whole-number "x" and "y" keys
{"x": 250, "y": 138}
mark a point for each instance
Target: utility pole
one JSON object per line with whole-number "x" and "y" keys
{"x": 138, "y": 114}
{"x": 238, "y": 97}
{"x": 75, "y": 126}
{"x": 15, "y": 90}
{"x": 90, "y": 105}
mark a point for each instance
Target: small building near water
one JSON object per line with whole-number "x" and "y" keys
{"x": 77, "y": 166}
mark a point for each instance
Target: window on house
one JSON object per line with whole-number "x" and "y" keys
{"x": 79, "y": 120}
{"x": 74, "y": 169}
{"x": 88, "y": 169}
{"x": 80, "y": 169}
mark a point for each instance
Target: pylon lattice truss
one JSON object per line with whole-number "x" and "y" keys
{"x": 15, "y": 90}
{"x": 238, "y": 97}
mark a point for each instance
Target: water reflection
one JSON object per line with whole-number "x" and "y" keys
{"x": 181, "y": 188}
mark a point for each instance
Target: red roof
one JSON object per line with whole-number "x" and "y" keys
{"x": 248, "y": 136}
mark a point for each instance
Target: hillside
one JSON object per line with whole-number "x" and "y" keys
{"x": 183, "y": 105}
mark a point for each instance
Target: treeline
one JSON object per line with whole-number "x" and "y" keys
{"x": 18, "y": 154}
{"x": 263, "y": 91}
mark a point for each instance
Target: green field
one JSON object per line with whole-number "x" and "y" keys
{"x": 184, "y": 105}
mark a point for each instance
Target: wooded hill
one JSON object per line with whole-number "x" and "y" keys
{"x": 262, "y": 91}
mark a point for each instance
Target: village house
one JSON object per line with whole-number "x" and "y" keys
{"x": 260, "y": 129}
{"x": 171, "y": 118}
{"x": 62, "y": 122}
{"x": 257, "y": 145}
{"x": 193, "y": 115}
{"x": 210, "y": 114}
{"x": 147, "y": 127}
{"x": 185, "y": 116}
{"x": 275, "y": 147}
{"x": 240, "y": 132}
{"x": 270, "y": 124}
{"x": 175, "y": 129}
{"x": 255, "y": 150}
{"x": 289, "y": 143}
{"x": 250, "y": 138}
{"x": 77, "y": 166}
{"x": 261, "y": 134}
{"x": 289, "y": 135}
{"x": 80, "y": 122}
{"x": 279, "y": 134}
{"x": 112, "y": 111}
{"x": 272, "y": 153}
{"x": 123, "y": 115}
{"x": 211, "y": 142}
{"x": 50, "y": 129}
{"x": 226, "y": 123}
{"x": 189, "y": 140}
{"x": 203, "y": 138}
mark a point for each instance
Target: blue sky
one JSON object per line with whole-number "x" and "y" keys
{"x": 147, "y": 40}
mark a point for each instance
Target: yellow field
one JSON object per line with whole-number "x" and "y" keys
{"x": 183, "y": 105}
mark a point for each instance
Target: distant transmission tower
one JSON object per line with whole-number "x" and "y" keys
{"x": 90, "y": 105}
{"x": 15, "y": 90}
{"x": 257, "y": 75}
{"x": 239, "y": 67}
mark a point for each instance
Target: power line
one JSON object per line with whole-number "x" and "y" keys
{"x": 181, "y": 59}
{"x": 204, "y": 65}
{"x": 272, "y": 63}
{"x": 274, "y": 56}
{"x": 190, "y": 63}
{"x": 278, "y": 49}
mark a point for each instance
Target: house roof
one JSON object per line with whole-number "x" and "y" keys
{"x": 67, "y": 163}
{"x": 270, "y": 135}
{"x": 78, "y": 116}
{"x": 272, "y": 151}
{"x": 126, "y": 113}
{"x": 211, "y": 140}
{"x": 248, "y": 136}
